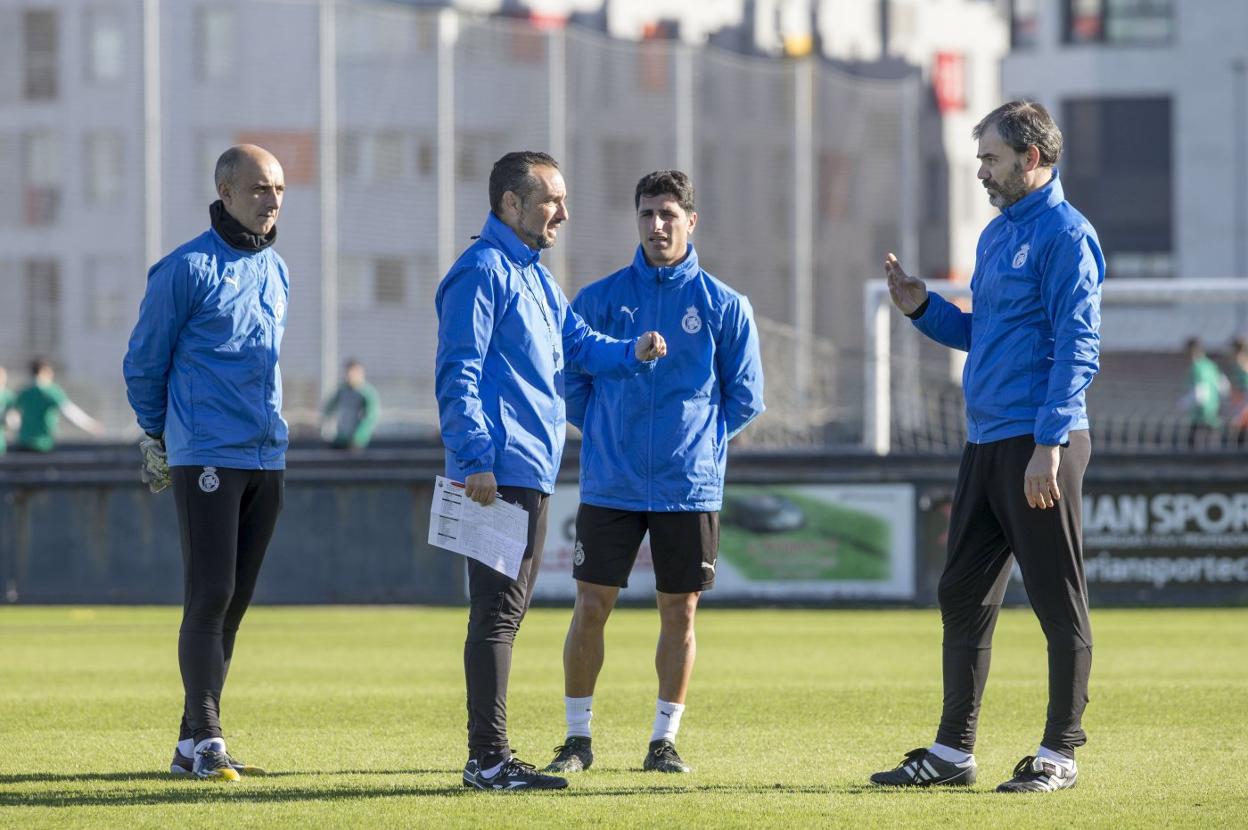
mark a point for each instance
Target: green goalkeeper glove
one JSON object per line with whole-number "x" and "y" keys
{"x": 155, "y": 472}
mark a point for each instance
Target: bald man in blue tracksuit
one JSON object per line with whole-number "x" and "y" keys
{"x": 202, "y": 377}
{"x": 1033, "y": 347}
{"x": 653, "y": 458}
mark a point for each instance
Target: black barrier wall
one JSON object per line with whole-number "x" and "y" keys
{"x": 77, "y": 526}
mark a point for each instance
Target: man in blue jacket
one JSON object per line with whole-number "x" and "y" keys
{"x": 506, "y": 340}
{"x": 1033, "y": 347}
{"x": 653, "y": 457}
{"x": 202, "y": 377}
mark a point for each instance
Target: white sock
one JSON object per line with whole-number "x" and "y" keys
{"x": 215, "y": 743}
{"x": 666, "y": 720}
{"x": 948, "y": 753}
{"x": 493, "y": 771}
{"x": 187, "y": 748}
{"x": 1056, "y": 757}
{"x": 579, "y": 712}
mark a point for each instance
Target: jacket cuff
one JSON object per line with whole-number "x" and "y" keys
{"x": 922, "y": 309}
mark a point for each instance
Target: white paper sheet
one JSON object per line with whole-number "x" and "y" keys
{"x": 495, "y": 535}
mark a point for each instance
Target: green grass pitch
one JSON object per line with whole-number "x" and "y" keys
{"x": 359, "y": 714}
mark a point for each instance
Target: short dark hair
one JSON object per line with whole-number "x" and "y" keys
{"x": 1022, "y": 124}
{"x": 666, "y": 182}
{"x": 514, "y": 172}
{"x": 38, "y": 365}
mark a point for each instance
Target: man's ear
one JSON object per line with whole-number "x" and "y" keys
{"x": 693, "y": 220}
{"x": 1032, "y": 158}
{"x": 511, "y": 202}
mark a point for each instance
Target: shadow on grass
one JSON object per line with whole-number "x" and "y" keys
{"x": 189, "y": 791}
{"x": 147, "y": 775}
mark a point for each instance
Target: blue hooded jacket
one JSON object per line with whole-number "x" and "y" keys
{"x": 202, "y": 368}
{"x": 659, "y": 441}
{"x": 1033, "y": 334}
{"x": 505, "y": 331}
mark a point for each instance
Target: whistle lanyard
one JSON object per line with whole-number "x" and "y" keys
{"x": 550, "y": 329}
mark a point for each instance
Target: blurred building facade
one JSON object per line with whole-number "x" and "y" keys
{"x": 808, "y": 169}
{"x": 1152, "y": 97}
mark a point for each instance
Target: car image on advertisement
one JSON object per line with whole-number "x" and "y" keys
{"x": 763, "y": 513}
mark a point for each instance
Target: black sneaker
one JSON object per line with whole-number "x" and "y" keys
{"x": 662, "y": 757}
{"x": 182, "y": 765}
{"x": 1039, "y": 775}
{"x": 574, "y": 756}
{"x": 516, "y": 775}
{"x": 470, "y": 770}
{"x": 920, "y": 768}
{"x": 213, "y": 764}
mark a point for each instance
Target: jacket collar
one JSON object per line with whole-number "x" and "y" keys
{"x": 1033, "y": 204}
{"x": 675, "y": 274}
{"x": 497, "y": 233}
{"x": 234, "y": 234}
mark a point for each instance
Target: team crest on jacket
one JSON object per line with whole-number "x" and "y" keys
{"x": 208, "y": 480}
{"x": 1020, "y": 258}
{"x": 578, "y": 557}
{"x": 279, "y": 309}
{"x": 691, "y": 322}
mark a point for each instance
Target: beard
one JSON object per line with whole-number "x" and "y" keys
{"x": 535, "y": 238}
{"x": 1005, "y": 193}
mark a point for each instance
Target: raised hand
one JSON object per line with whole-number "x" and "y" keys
{"x": 908, "y": 292}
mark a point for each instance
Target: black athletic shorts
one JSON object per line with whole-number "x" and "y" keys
{"x": 684, "y": 547}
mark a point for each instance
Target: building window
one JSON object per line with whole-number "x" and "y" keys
{"x": 375, "y": 156}
{"x": 106, "y": 46}
{"x": 389, "y": 282}
{"x": 475, "y": 154}
{"x": 41, "y": 186}
{"x": 109, "y": 304}
{"x": 103, "y": 157}
{"x": 43, "y": 307}
{"x": 1117, "y": 170}
{"x": 373, "y": 33}
{"x": 1024, "y": 23}
{"x": 1122, "y": 22}
{"x": 367, "y": 283}
{"x": 39, "y": 32}
{"x": 10, "y": 180}
{"x": 621, "y": 168}
{"x": 214, "y": 38}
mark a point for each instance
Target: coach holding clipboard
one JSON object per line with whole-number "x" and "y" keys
{"x": 505, "y": 337}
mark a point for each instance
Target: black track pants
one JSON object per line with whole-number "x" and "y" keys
{"x": 497, "y": 605}
{"x": 989, "y": 527}
{"x": 226, "y": 518}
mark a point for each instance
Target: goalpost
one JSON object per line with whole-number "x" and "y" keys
{"x": 1140, "y": 299}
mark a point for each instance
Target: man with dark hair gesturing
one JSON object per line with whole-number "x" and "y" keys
{"x": 1033, "y": 343}
{"x": 202, "y": 377}
{"x": 506, "y": 338}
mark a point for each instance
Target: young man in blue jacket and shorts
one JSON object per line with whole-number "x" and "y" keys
{"x": 201, "y": 375}
{"x": 653, "y": 457}
{"x": 507, "y": 339}
{"x": 1033, "y": 344}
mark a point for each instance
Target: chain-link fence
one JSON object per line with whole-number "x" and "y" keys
{"x": 387, "y": 120}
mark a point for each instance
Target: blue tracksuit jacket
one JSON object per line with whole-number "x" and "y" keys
{"x": 1033, "y": 335}
{"x": 202, "y": 363}
{"x": 658, "y": 441}
{"x": 505, "y": 332}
